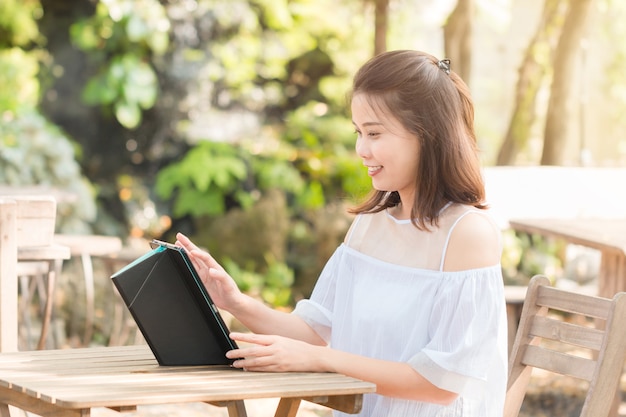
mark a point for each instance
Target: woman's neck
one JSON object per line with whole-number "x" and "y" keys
{"x": 400, "y": 211}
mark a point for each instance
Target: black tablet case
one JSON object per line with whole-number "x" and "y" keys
{"x": 173, "y": 310}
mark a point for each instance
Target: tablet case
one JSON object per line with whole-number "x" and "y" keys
{"x": 172, "y": 308}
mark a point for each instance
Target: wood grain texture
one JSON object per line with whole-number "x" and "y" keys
{"x": 59, "y": 381}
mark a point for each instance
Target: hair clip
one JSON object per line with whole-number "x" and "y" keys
{"x": 444, "y": 65}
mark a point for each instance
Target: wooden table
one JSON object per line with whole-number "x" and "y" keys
{"x": 86, "y": 247}
{"x": 70, "y": 382}
{"x": 606, "y": 235}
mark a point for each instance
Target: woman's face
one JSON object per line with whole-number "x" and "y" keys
{"x": 388, "y": 150}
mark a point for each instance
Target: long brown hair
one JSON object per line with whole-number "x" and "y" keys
{"x": 434, "y": 103}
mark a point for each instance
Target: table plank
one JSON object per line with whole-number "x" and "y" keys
{"x": 606, "y": 235}
{"x": 128, "y": 376}
{"x": 597, "y": 233}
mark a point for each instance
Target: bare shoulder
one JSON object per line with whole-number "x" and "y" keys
{"x": 474, "y": 243}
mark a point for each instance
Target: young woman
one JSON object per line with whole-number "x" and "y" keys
{"x": 412, "y": 300}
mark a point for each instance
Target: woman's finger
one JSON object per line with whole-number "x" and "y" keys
{"x": 257, "y": 339}
{"x": 186, "y": 242}
{"x": 208, "y": 260}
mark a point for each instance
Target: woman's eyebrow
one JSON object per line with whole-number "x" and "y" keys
{"x": 367, "y": 124}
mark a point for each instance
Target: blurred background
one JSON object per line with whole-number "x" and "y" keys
{"x": 228, "y": 120}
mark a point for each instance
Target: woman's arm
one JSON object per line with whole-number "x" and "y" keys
{"x": 261, "y": 319}
{"x": 252, "y": 313}
{"x": 279, "y": 354}
{"x": 393, "y": 379}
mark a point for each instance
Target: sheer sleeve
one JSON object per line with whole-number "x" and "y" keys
{"x": 468, "y": 333}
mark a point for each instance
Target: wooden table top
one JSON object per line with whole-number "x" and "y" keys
{"x": 94, "y": 245}
{"x": 43, "y": 253}
{"x": 116, "y": 377}
{"x": 601, "y": 234}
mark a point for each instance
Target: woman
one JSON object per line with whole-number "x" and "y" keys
{"x": 412, "y": 300}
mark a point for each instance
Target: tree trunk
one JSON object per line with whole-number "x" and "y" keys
{"x": 559, "y": 113}
{"x": 457, "y": 32}
{"x": 381, "y": 17}
{"x": 537, "y": 59}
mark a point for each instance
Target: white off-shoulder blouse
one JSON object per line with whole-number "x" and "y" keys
{"x": 384, "y": 294}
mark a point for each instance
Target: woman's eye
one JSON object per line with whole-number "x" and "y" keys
{"x": 368, "y": 134}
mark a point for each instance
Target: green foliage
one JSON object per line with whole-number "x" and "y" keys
{"x": 18, "y": 67}
{"x": 279, "y": 52}
{"x": 126, "y": 34}
{"x": 527, "y": 255}
{"x": 203, "y": 179}
{"x": 326, "y": 154}
{"x": 128, "y": 84}
{"x": 273, "y": 286}
{"x": 313, "y": 195}
{"x": 278, "y": 281}
{"x": 18, "y": 78}
{"x": 276, "y": 173}
{"x": 18, "y": 22}
{"x": 212, "y": 174}
{"x": 35, "y": 152}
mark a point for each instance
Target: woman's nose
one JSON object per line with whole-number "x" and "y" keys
{"x": 361, "y": 148}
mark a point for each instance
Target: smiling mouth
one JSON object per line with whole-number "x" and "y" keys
{"x": 373, "y": 170}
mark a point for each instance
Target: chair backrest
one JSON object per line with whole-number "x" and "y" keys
{"x": 545, "y": 340}
{"x": 8, "y": 275}
{"x": 24, "y": 221}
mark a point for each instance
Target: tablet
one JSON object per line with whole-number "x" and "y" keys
{"x": 172, "y": 308}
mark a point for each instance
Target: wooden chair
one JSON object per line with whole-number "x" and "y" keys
{"x": 8, "y": 275}
{"x": 544, "y": 340}
{"x": 26, "y": 235}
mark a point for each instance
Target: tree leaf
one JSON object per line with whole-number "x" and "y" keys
{"x": 98, "y": 91}
{"x": 127, "y": 113}
{"x": 196, "y": 203}
{"x": 168, "y": 179}
{"x": 136, "y": 28}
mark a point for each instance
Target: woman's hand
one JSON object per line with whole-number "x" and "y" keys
{"x": 221, "y": 287}
{"x": 272, "y": 353}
